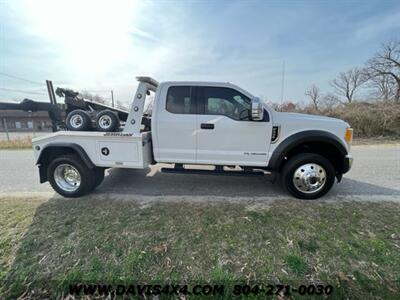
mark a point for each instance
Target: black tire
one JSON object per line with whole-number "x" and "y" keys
{"x": 87, "y": 176}
{"x": 294, "y": 163}
{"x": 78, "y": 120}
{"x": 107, "y": 121}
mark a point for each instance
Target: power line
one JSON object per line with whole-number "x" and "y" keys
{"x": 20, "y": 78}
{"x": 21, "y": 91}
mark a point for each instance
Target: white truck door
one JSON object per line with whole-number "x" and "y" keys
{"x": 226, "y": 134}
{"x": 176, "y": 125}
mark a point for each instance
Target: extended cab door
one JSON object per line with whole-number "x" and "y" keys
{"x": 226, "y": 134}
{"x": 175, "y": 132}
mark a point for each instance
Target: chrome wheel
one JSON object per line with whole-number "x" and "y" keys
{"x": 309, "y": 178}
{"x": 67, "y": 177}
{"x": 105, "y": 122}
{"x": 76, "y": 121}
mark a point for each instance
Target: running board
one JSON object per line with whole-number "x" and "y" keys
{"x": 212, "y": 172}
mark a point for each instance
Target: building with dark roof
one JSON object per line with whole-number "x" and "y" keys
{"x": 18, "y": 120}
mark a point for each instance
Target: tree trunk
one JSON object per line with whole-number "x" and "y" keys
{"x": 397, "y": 95}
{"x": 316, "y": 106}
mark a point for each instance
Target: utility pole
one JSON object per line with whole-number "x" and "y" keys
{"x": 6, "y": 129}
{"x": 112, "y": 98}
{"x": 283, "y": 82}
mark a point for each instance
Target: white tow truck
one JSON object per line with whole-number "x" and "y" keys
{"x": 202, "y": 123}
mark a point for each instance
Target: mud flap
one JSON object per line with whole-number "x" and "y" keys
{"x": 339, "y": 177}
{"x": 43, "y": 173}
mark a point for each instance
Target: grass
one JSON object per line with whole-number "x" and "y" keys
{"x": 20, "y": 143}
{"x": 46, "y": 245}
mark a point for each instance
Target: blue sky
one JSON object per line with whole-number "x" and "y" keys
{"x": 103, "y": 45}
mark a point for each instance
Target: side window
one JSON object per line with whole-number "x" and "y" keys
{"x": 227, "y": 102}
{"x": 180, "y": 101}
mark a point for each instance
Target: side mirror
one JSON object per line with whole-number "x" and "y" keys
{"x": 257, "y": 110}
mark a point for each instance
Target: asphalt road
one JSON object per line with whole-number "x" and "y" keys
{"x": 375, "y": 176}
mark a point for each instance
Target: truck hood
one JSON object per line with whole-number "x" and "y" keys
{"x": 292, "y": 123}
{"x": 310, "y": 118}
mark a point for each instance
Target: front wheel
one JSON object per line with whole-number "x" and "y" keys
{"x": 308, "y": 176}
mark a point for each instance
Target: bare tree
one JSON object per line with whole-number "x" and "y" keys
{"x": 386, "y": 62}
{"x": 99, "y": 99}
{"x": 347, "y": 83}
{"x": 314, "y": 94}
{"x": 329, "y": 101}
{"x": 288, "y": 106}
{"x": 383, "y": 87}
{"x": 95, "y": 98}
{"x": 274, "y": 105}
{"x": 121, "y": 105}
{"x": 86, "y": 95}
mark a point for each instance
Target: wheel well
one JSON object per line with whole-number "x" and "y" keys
{"x": 327, "y": 150}
{"x": 51, "y": 152}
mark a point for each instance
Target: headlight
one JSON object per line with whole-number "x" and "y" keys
{"x": 348, "y": 136}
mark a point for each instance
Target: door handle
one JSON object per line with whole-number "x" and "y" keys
{"x": 206, "y": 126}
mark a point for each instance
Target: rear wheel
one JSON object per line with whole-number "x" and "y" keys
{"x": 308, "y": 176}
{"x": 78, "y": 120}
{"x": 107, "y": 121}
{"x": 70, "y": 177}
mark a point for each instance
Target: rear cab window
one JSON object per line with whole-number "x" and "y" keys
{"x": 180, "y": 100}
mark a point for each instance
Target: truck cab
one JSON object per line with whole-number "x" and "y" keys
{"x": 203, "y": 123}
{"x": 208, "y": 123}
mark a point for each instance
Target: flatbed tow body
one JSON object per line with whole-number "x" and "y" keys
{"x": 107, "y": 150}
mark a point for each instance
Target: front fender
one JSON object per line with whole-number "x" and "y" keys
{"x": 279, "y": 154}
